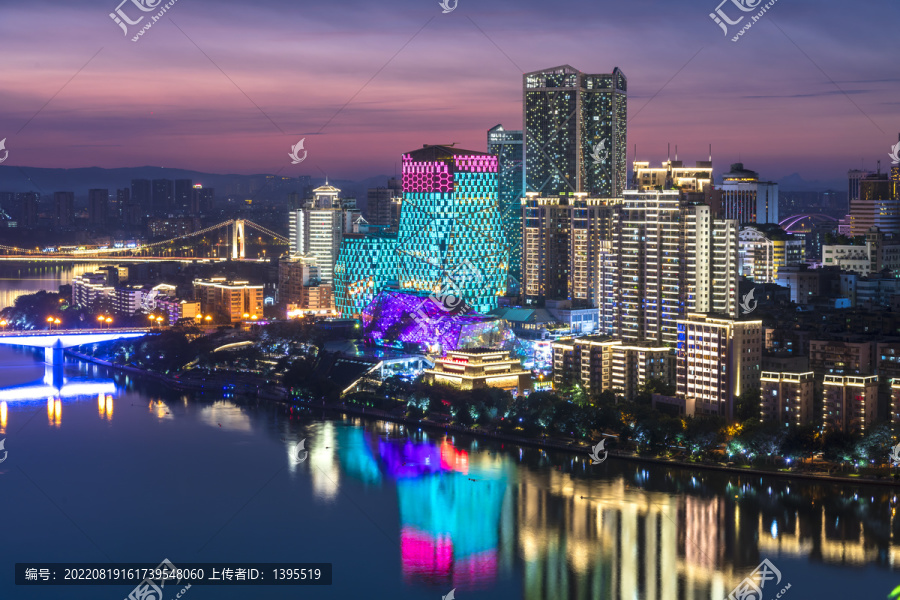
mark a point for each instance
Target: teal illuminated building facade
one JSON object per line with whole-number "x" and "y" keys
{"x": 367, "y": 263}
{"x": 506, "y": 145}
{"x": 450, "y": 247}
{"x": 575, "y": 132}
{"x": 451, "y": 241}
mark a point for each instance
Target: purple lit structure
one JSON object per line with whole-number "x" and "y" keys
{"x": 400, "y": 317}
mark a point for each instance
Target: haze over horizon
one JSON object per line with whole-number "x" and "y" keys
{"x": 229, "y": 88}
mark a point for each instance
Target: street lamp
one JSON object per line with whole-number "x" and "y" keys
{"x": 4, "y": 323}
{"x": 50, "y": 321}
{"x": 108, "y": 322}
{"x": 207, "y": 318}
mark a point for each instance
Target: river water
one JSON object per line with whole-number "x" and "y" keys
{"x": 116, "y": 470}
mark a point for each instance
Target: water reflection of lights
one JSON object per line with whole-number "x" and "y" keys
{"x": 105, "y": 406}
{"x": 54, "y": 411}
{"x": 69, "y": 390}
{"x": 226, "y": 416}
{"x": 3, "y": 415}
{"x": 323, "y": 463}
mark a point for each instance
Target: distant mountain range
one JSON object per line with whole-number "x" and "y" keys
{"x": 47, "y": 181}
{"x": 795, "y": 183}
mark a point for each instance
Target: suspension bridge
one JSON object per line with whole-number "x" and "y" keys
{"x": 237, "y": 251}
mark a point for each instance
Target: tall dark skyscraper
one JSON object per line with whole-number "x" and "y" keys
{"x": 63, "y": 209}
{"x": 141, "y": 195}
{"x": 29, "y": 206}
{"x": 163, "y": 195}
{"x": 575, "y": 132}
{"x": 98, "y": 207}
{"x": 506, "y": 145}
{"x": 184, "y": 193}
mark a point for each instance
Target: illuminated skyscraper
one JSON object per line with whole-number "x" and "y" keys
{"x": 451, "y": 239}
{"x": 671, "y": 258}
{"x": 575, "y": 132}
{"x": 366, "y": 264}
{"x": 317, "y": 231}
{"x": 563, "y": 243}
{"x": 506, "y": 145}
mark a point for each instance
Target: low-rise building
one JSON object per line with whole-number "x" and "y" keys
{"x": 600, "y": 363}
{"x": 850, "y": 402}
{"x": 230, "y": 299}
{"x": 786, "y": 398}
{"x": 92, "y": 292}
{"x": 479, "y": 368}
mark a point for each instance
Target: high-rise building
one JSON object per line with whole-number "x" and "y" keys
{"x": 142, "y": 195}
{"x": 383, "y": 204}
{"x": 746, "y": 199}
{"x": 450, "y": 233}
{"x": 787, "y": 398}
{"x": 300, "y": 288}
{"x": 669, "y": 258}
{"x": 565, "y": 244}
{"x": 98, "y": 207}
{"x": 507, "y": 146}
{"x": 203, "y": 200}
{"x": 184, "y": 193}
{"x": 63, "y": 209}
{"x": 366, "y": 265}
{"x": 29, "y": 207}
{"x": 163, "y": 195}
{"x": 718, "y": 359}
{"x": 767, "y": 248}
{"x": 850, "y": 403}
{"x": 317, "y": 231}
{"x": 878, "y": 205}
{"x": 574, "y": 137}
{"x": 672, "y": 175}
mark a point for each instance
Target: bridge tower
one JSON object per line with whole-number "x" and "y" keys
{"x": 238, "y": 249}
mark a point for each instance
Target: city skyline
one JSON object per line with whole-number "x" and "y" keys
{"x": 812, "y": 104}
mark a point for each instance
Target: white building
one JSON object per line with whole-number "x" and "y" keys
{"x": 746, "y": 199}
{"x": 317, "y": 230}
{"x": 91, "y": 291}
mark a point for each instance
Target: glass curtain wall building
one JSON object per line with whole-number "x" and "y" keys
{"x": 506, "y": 145}
{"x": 574, "y": 137}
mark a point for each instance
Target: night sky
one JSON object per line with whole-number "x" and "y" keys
{"x": 172, "y": 98}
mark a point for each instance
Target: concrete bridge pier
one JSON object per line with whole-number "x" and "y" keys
{"x": 54, "y": 354}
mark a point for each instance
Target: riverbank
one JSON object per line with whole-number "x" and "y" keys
{"x": 582, "y": 449}
{"x": 265, "y": 391}
{"x": 244, "y": 384}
